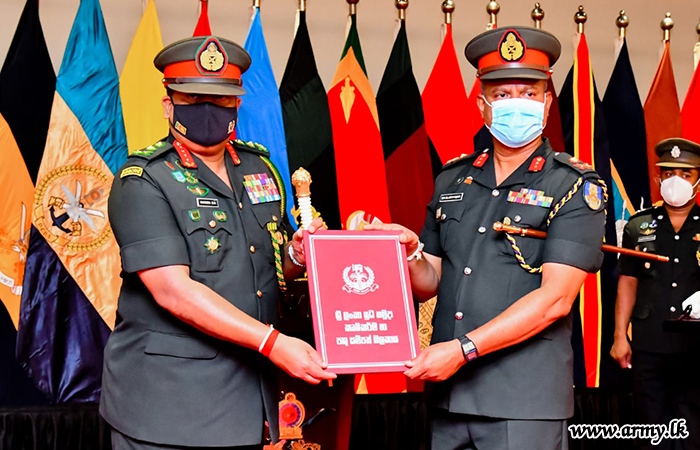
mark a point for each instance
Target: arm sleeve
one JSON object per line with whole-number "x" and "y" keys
{"x": 144, "y": 225}
{"x": 575, "y": 235}
{"x": 430, "y": 235}
{"x": 628, "y": 265}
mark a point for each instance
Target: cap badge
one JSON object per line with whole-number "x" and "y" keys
{"x": 211, "y": 57}
{"x": 675, "y": 151}
{"x": 511, "y": 47}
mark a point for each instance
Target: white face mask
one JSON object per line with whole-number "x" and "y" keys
{"x": 676, "y": 191}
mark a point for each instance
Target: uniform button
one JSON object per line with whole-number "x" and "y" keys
{"x": 482, "y": 230}
{"x": 443, "y": 217}
{"x": 647, "y": 265}
{"x": 672, "y": 309}
{"x": 676, "y": 260}
{"x": 212, "y": 223}
{"x": 240, "y": 205}
{"x": 495, "y": 193}
{"x": 517, "y": 218}
{"x": 459, "y": 315}
{"x": 659, "y": 217}
{"x": 467, "y": 270}
{"x": 274, "y": 218}
{"x": 676, "y": 237}
{"x": 259, "y": 294}
{"x": 674, "y": 284}
{"x": 460, "y": 180}
{"x": 252, "y": 249}
{"x": 696, "y": 217}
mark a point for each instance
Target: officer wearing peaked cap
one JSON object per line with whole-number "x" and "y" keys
{"x": 500, "y": 361}
{"x": 664, "y": 381}
{"x": 201, "y": 225}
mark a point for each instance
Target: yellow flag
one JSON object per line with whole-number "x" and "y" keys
{"x": 141, "y": 86}
{"x": 15, "y": 220}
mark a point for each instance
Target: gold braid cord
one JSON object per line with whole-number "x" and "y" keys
{"x": 279, "y": 240}
{"x": 560, "y": 204}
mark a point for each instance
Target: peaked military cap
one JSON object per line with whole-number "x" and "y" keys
{"x": 203, "y": 65}
{"x": 678, "y": 153}
{"x": 516, "y": 52}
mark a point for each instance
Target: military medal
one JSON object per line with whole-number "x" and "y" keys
{"x": 178, "y": 176}
{"x": 170, "y": 166}
{"x": 212, "y": 245}
{"x": 261, "y": 188}
{"x": 198, "y": 190}
{"x": 195, "y": 215}
{"x": 530, "y": 197}
{"x": 190, "y": 178}
{"x": 220, "y": 216}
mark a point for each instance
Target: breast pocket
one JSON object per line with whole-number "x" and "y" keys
{"x": 526, "y": 216}
{"x": 208, "y": 240}
{"x": 449, "y": 215}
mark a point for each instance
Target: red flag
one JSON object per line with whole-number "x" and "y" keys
{"x": 445, "y": 104}
{"x": 359, "y": 159}
{"x": 553, "y": 130}
{"x": 202, "y": 28}
{"x": 690, "y": 115}
{"x": 662, "y": 116}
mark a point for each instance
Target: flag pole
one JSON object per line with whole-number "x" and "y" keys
{"x": 580, "y": 18}
{"x": 401, "y": 5}
{"x": 492, "y": 8}
{"x": 537, "y": 15}
{"x": 353, "y": 6}
{"x": 622, "y": 23}
{"x": 666, "y": 25}
{"x": 448, "y": 7}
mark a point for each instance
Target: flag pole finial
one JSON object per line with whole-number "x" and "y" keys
{"x": 622, "y": 23}
{"x": 353, "y": 6}
{"x": 401, "y": 5}
{"x": 302, "y": 5}
{"x": 697, "y": 30}
{"x": 580, "y": 18}
{"x": 666, "y": 25}
{"x": 492, "y": 8}
{"x": 256, "y": 4}
{"x": 448, "y": 7}
{"x": 537, "y": 15}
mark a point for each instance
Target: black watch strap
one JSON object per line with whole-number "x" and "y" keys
{"x": 468, "y": 349}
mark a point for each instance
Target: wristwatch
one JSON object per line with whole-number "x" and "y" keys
{"x": 468, "y": 348}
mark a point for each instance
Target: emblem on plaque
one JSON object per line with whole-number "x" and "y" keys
{"x": 359, "y": 280}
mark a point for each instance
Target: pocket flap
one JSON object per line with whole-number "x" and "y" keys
{"x": 203, "y": 219}
{"x": 178, "y": 345}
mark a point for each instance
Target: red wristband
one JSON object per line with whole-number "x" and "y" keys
{"x": 267, "y": 348}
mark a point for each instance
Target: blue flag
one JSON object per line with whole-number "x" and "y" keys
{"x": 260, "y": 115}
{"x": 72, "y": 281}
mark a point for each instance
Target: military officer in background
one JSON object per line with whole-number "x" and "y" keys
{"x": 664, "y": 370}
{"x": 501, "y": 357}
{"x": 201, "y": 225}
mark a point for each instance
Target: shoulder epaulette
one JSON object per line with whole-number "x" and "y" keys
{"x": 459, "y": 159}
{"x": 152, "y": 151}
{"x": 252, "y": 147}
{"x": 575, "y": 163}
{"x": 646, "y": 211}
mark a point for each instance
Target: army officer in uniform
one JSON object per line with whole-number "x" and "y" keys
{"x": 201, "y": 225}
{"x": 664, "y": 374}
{"x": 501, "y": 357}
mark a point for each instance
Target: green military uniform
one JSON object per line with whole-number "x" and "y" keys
{"x": 665, "y": 382}
{"x": 165, "y": 381}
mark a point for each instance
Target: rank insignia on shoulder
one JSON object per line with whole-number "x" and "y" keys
{"x": 212, "y": 245}
{"x": 481, "y": 160}
{"x": 593, "y": 195}
{"x": 144, "y": 151}
{"x": 220, "y": 216}
{"x": 537, "y": 164}
{"x": 198, "y": 190}
{"x": 261, "y": 188}
{"x": 580, "y": 164}
{"x": 457, "y": 158}
{"x": 195, "y": 215}
{"x": 179, "y": 177}
{"x": 133, "y": 170}
{"x": 530, "y": 197}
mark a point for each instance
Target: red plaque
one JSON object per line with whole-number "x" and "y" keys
{"x": 361, "y": 301}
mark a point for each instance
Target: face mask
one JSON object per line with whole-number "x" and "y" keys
{"x": 676, "y": 191}
{"x": 205, "y": 123}
{"x": 516, "y": 122}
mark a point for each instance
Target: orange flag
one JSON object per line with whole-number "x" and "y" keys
{"x": 662, "y": 115}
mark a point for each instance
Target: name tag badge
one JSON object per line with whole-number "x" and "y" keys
{"x": 208, "y": 202}
{"x": 648, "y": 238}
{"x": 454, "y": 197}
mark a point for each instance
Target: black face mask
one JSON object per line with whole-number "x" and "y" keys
{"x": 205, "y": 123}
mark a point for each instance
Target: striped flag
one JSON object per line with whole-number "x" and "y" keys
{"x": 359, "y": 159}
{"x": 141, "y": 88}
{"x": 662, "y": 115}
{"x": 260, "y": 114}
{"x": 307, "y": 124}
{"x": 72, "y": 273}
{"x": 585, "y": 136}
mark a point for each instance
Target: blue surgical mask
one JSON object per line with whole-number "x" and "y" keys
{"x": 516, "y": 122}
